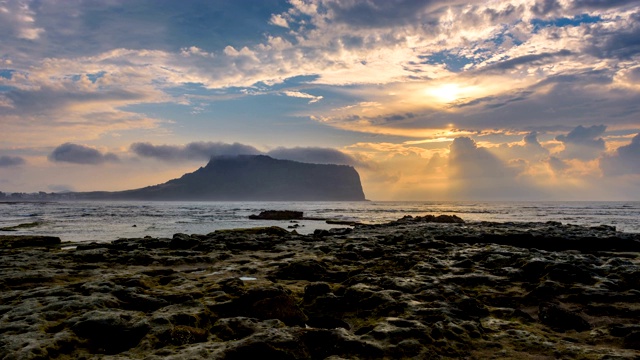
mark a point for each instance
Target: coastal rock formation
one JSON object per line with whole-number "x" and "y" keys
{"x": 252, "y": 178}
{"x": 278, "y": 215}
{"x": 408, "y": 289}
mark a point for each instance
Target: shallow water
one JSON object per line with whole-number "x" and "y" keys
{"x": 109, "y": 220}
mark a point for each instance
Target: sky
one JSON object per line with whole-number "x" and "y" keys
{"x": 428, "y": 100}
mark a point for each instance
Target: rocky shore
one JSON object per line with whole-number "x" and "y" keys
{"x": 426, "y": 287}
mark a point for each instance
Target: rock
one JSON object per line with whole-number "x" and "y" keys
{"x": 20, "y": 241}
{"x": 632, "y": 341}
{"x": 183, "y": 335}
{"x": 236, "y": 328}
{"x": 281, "y": 307}
{"x": 109, "y": 332}
{"x": 313, "y": 290}
{"x": 308, "y": 269}
{"x": 278, "y": 215}
{"x": 183, "y": 242}
{"x": 375, "y": 291}
{"x": 269, "y": 230}
{"x": 561, "y": 319}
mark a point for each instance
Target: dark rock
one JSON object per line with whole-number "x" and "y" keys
{"x": 312, "y": 291}
{"x": 282, "y": 307}
{"x": 622, "y": 330}
{"x": 632, "y": 341}
{"x": 569, "y": 274}
{"x": 307, "y": 269}
{"x": 240, "y": 327}
{"x": 182, "y": 335}
{"x": 110, "y": 332}
{"x": 561, "y": 319}
{"x": 278, "y": 215}
{"x": 183, "y": 242}
{"x": 21, "y": 241}
{"x": 131, "y": 300}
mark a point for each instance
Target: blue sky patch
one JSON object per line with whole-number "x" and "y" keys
{"x": 453, "y": 62}
{"x": 565, "y": 21}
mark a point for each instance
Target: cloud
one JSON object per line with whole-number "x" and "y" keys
{"x": 80, "y": 154}
{"x": 583, "y": 143}
{"x": 314, "y": 155}
{"x": 601, "y": 4}
{"x": 279, "y": 20}
{"x": 7, "y": 161}
{"x": 625, "y": 160}
{"x": 615, "y": 43}
{"x": 529, "y": 149}
{"x": 299, "y": 94}
{"x": 529, "y": 60}
{"x": 468, "y": 161}
{"x": 557, "y": 165}
{"x": 206, "y": 150}
{"x": 17, "y": 19}
{"x": 192, "y": 151}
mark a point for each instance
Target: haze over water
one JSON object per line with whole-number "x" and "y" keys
{"x": 106, "y": 221}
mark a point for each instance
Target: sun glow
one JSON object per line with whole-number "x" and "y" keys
{"x": 446, "y": 93}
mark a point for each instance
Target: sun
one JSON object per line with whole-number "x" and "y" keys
{"x": 446, "y": 92}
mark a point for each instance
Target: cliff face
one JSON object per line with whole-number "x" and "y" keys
{"x": 257, "y": 178}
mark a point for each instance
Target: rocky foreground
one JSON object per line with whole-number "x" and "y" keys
{"x": 430, "y": 287}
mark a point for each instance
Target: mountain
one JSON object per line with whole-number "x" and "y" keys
{"x": 252, "y": 178}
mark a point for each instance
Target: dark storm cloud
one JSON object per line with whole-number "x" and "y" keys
{"x": 625, "y": 160}
{"x": 80, "y": 154}
{"x": 315, "y": 155}
{"x": 192, "y": 151}
{"x": 583, "y": 143}
{"x": 7, "y": 161}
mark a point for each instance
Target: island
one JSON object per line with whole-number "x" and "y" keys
{"x": 249, "y": 178}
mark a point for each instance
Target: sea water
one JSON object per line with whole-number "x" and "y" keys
{"x": 110, "y": 220}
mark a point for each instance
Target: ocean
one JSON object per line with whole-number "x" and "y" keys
{"x": 109, "y": 220}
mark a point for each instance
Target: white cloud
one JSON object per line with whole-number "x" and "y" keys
{"x": 279, "y": 20}
{"x": 302, "y": 95}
